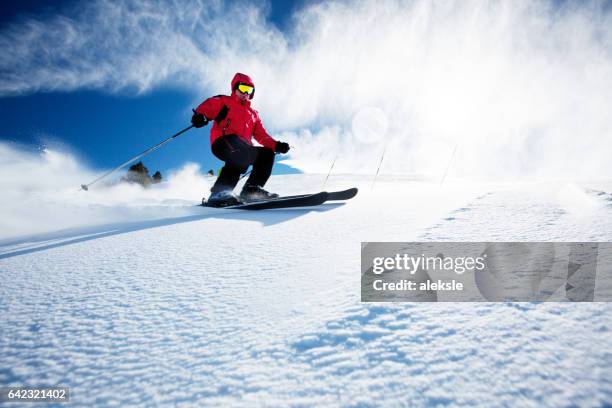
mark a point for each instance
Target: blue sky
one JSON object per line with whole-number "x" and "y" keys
{"x": 515, "y": 88}
{"x": 106, "y": 128}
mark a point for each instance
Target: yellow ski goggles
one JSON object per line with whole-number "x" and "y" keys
{"x": 246, "y": 89}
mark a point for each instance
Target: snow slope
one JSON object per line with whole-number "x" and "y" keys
{"x": 209, "y": 307}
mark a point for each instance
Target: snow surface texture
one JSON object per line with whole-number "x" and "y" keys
{"x": 191, "y": 306}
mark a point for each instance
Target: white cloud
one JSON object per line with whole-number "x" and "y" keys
{"x": 522, "y": 88}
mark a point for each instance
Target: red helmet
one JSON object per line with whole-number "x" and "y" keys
{"x": 242, "y": 79}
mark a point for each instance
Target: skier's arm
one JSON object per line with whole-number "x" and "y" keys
{"x": 260, "y": 134}
{"x": 210, "y": 108}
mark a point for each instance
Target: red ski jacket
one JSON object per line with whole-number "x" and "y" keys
{"x": 233, "y": 117}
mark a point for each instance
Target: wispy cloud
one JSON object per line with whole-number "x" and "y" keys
{"x": 520, "y": 87}
{"x": 126, "y": 46}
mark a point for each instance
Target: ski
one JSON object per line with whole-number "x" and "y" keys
{"x": 302, "y": 200}
{"x": 343, "y": 195}
{"x": 331, "y": 196}
{"x": 307, "y": 200}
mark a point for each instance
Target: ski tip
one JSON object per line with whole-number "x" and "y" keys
{"x": 343, "y": 195}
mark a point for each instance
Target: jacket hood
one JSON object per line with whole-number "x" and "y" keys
{"x": 242, "y": 79}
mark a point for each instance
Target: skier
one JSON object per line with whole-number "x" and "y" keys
{"x": 235, "y": 122}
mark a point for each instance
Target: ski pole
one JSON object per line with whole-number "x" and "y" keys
{"x": 329, "y": 172}
{"x": 86, "y": 186}
{"x": 378, "y": 169}
{"x": 448, "y": 165}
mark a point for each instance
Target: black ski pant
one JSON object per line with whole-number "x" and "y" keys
{"x": 238, "y": 155}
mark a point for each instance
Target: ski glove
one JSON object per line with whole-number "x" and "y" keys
{"x": 281, "y": 147}
{"x": 198, "y": 120}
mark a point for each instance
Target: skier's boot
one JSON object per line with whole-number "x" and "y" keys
{"x": 221, "y": 199}
{"x": 255, "y": 193}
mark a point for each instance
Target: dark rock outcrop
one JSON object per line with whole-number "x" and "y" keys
{"x": 139, "y": 174}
